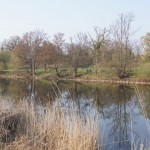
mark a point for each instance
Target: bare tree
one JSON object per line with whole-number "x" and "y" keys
{"x": 97, "y": 43}
{"x": 47, "y": 54}
{"x": 78, "y": 53}
{"x": 11, "y": 43}
{"x": 29, "y": 47}
{"x": 121, "y": 38}
{"x": 59, "y": 44}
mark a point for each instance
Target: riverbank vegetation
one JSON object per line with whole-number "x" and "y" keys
{"x": 106, "y": 53}
{"x": 61, "y": 124}
{"x": 48, "y": 128}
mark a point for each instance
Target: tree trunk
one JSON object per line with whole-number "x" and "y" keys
{"x": 32, "y": 68}
{"x": 56, "y": 69}
{"x": 75, "y": 72}
{"x": 96, "y": 63}
{"x": 45, "y": 67}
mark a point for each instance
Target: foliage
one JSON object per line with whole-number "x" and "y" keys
{"x": 146, "y": 46}
{"x": 5, "y": 57}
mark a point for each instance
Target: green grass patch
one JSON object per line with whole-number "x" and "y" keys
{"x": 141, "y": 72}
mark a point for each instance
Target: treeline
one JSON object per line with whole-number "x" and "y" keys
{"x": 106, "y": 47}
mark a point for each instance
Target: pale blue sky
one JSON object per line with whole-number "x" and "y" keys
{"x": 69, "y": 16}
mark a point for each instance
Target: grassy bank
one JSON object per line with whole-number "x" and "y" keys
{"x": 53, "y": 128}
{"x": 139, "y": 74}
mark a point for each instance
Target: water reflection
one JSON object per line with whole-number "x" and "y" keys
{"x": 117, "y": 105}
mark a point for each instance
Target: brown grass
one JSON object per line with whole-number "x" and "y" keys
{"x": 55, "y": 128}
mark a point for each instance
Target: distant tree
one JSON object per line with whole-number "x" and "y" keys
{"x": 146, "y": 46}
{"x": 97, "y": 42}
{"x": 5, "y": 57}
{"x": 47, "y": 54}
{"x": 121, "y": 34}
{"x": 28, "y": 49}
{"x": 78, "y": 53}
{"x": 58, "y": 59}
{"x": 11, "y": 43}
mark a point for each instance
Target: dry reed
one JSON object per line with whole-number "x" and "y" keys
{"x": 55, "y": 128}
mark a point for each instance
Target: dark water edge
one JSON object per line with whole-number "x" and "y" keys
{"x": 118, "y": 106}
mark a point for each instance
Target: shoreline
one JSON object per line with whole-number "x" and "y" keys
{"x": 115, "y": 81}
{"x": 127, "y": 82}
{"x": 112, "y": 81}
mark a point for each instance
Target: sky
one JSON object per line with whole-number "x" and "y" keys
{"x": 69, "y": 16}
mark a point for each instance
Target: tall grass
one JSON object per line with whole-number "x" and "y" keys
{"x": 51, "y": 128}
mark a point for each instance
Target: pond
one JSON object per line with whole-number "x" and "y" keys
{"x": 123, "y": 110}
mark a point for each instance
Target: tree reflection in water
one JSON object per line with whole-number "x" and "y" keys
{"x": 114, "y": 103}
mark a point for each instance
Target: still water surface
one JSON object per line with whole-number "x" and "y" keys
{"x": 118, "y": 106}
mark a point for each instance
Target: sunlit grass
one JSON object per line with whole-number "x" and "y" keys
{"x": 141, "y": 72}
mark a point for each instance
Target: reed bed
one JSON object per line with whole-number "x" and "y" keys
{"x": 23, "y": 127}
